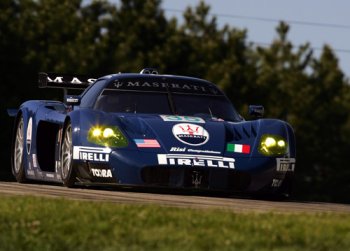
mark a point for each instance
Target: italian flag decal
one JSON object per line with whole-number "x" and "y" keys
{"x": 238, "y": 148}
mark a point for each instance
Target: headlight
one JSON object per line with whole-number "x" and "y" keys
{"x": 109, "y": 136}
{"x": 272, "y": 145}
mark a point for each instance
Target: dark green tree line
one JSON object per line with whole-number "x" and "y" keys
{"x": 309, "y": 92}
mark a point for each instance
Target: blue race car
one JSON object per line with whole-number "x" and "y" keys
{"x": 150, "y": 130}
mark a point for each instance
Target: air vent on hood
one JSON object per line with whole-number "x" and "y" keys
{"x": 244, "y": 130}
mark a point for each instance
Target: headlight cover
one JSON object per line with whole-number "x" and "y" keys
{"x": 108, "y": 136}
{"x": 272, "y": 145}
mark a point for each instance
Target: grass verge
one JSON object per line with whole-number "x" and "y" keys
{"x": 31, "y": 223}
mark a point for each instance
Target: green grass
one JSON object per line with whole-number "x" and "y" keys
{"x": 31, "y": 223}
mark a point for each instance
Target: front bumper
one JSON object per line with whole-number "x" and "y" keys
{"x": 137, "y": 168}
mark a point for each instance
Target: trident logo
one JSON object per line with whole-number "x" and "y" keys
{"x": 196, "y": 179}
{"x": 189, "y": 129}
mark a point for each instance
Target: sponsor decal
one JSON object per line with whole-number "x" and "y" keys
{"x": 35, "y": 161}
{"x": 98, "y": 154}
{"x": 178, "y": 149}
{"x": 59, "y": 135}
{"x": 276, "y": 183}
{"x": 184, "y": 149}
{"x": 30, "y": 173}
{"x": 101, "y": 173}
{"x": 238, "y": 148}
{"x": 147, "y": 143}
{"x": 175, "y": 118}
{"x": 190, "y": 134}
{"x": 202, "y": 151}
{"x": 285, "y": 164}
{"x": 195, "y": 160}
{"x": 72, "y": 100}
{"x": 72, "y": 80}
{"x": 57, "y": 165}
{"x": 165, "y": 86}
{"x": 29, "y": 134}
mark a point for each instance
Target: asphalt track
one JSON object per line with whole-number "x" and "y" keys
{"x": 173, "y": 200}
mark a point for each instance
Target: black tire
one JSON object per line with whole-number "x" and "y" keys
{"x": 68, "y": 173}
{"x": 17, "y": 165}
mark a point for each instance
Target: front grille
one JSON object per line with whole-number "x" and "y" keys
{"x": 194, "y": 177}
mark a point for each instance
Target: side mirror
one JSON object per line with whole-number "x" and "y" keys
{"x": 72, "y": 100}
{"x": 256, "y": 111}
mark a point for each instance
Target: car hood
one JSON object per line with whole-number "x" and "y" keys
{"x": 195, "y": 135}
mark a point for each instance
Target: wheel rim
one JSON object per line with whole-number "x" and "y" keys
{"x": 19, "y": 147}
{"x": 67, "y": 153}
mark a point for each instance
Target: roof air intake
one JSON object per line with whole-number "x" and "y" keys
{"x": 149, "y": 71}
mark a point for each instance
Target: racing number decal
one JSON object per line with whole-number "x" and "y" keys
{"x": 176, "y": 118}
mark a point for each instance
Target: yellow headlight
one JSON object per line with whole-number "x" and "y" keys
{"x": 281, "y": 143}
{"x": 272, "y": 145}
{"x": 96, "y": 132}
{"x": 108, "y": 132}
{"x": 270, "y": 142}
{"x": 108, "y": 136}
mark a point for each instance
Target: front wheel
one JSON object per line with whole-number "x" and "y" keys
{"x": 68, "y": 174}
{"x": 18, "y": 153}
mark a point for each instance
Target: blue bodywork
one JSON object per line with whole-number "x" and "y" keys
{"x": 162, "y": 150}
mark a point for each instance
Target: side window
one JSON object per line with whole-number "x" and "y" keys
{"x": 89, "y": 97}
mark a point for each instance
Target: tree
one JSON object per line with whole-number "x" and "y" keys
{"x": 136, "y": 36}
{"x": 323, "y": 129}
{"x": 45, "y": 36}
{"x": 309, "y": 93}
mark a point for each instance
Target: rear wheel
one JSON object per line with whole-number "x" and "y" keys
{"x": 18, "y": 153}
{"x": 68, "y": 174}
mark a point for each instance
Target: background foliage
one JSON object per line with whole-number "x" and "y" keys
{"x": 97, "y": 38}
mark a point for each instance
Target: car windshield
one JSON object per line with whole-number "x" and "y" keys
{"x": 205, "y": 106}
{"x": 159, "y": 103}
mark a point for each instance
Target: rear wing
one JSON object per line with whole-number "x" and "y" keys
{"x": 54, "y": 80}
